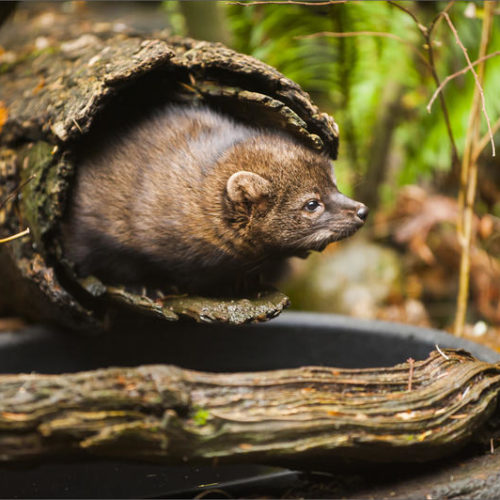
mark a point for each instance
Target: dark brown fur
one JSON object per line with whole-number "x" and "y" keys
{"x": 156, "y": 205}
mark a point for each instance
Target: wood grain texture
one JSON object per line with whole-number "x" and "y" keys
{"x": 167, "y": 413}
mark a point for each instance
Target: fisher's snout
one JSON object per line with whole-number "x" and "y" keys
{"x": 362, "y": 212}
{"x": 349, "y": 208}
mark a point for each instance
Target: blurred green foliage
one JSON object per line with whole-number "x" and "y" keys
{"x": 175, "y": 18}
{"x": 373, "y": 84}
{"x": 355, "y": 77}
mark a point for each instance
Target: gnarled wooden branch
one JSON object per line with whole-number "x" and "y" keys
{"x": 167, "y": 413}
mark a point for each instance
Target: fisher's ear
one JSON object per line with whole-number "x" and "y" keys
{"x": 246, "y": 186}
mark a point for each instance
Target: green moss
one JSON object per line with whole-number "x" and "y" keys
{"x": 201, "y": 416}
{"x": 47, "y": 50}
{"x": 6, "y": 67}
{"x": 34, "y": 191}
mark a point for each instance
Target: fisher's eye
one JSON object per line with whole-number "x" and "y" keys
{"x": 312, "y": 206}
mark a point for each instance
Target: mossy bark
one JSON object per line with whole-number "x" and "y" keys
{"x": 410, "y": 412}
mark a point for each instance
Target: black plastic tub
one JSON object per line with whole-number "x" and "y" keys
{"x": 292, "y": 340}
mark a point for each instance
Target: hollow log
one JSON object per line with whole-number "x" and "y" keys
{"x": 81, "y": 82}
{"x": 410, "y": 412}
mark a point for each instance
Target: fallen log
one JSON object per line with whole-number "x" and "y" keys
{"x": 410, "y": 412}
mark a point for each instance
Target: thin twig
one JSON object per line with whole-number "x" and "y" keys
{"x": 435, "y": 22}
{"x": 382, "y": 34}
{"x": 458, "y": 73}
{"x": 426, "y": 34}
{"x": 484, "y": 141}
{"x": 410, "y": 13}
{"x": 15, "y": 236}
{"x": 289, "y": 2}
{"x": 445, "y": 356}
{"x": 411, "y": 363}
{"x": 16, "y": 190}
{"x": 444, "y": 108}
{"x": 426, "y": 31}
{"x": 468, "y": 174}
{"x": 4, "y": 202}
{"x": 77, "y": 126}
{"x": 476, "y": 78}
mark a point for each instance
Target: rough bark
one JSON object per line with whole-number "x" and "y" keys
{"x": 410, "y": 412}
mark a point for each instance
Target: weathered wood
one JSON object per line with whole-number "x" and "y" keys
{"x": 167, "y": 413}
{"x": 82, "y": 78}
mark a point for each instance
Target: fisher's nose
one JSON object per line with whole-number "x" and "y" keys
{"x": 350, "y": 208}
{"x": 362, "y": 212}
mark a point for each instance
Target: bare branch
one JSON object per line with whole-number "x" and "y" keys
{"x": 15, "y": 236}
{"x": 468, "y": 174}
{"x": 435, "y": 22}
{"x": 476, "y": 78}
{"x": 458, "y": 73}
{"x": 426, "y": 33}
{"x": 430, "y": 52}
{"x": 445, "y": 356}
{"x": 484, "y": 141}
{"x": 16, "y": 190}
{"x": 288, "y": 2}
{"x": 411, "y": 365}
{"x": 410, "y": 13}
